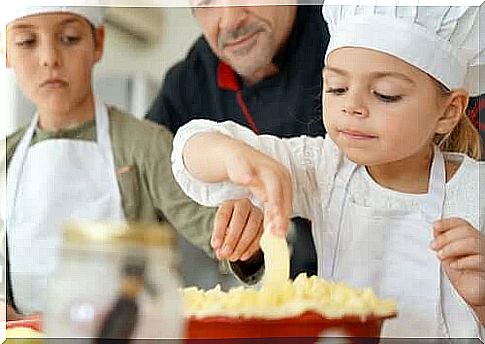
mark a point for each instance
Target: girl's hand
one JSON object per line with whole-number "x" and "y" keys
{"x": 461, "y": 249}
{"x": 238, "y": 226}
{"x": 267, "y": 179}
{"x": 214, "y": 157}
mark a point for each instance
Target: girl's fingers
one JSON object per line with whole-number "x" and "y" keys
{"x": 469, "y": 263}
{"x": 249, "y": 234}
{"x": 270, "y": 182}
{"x": 288, "y": 199}
{"x": 221, "y": 222}
{"x": 279, "y": 200}
{"x": 278, "y": 221}
{"x": 459, "y": 248}
{"x": 444, "y": 225}
{"x": 454, "y": 234}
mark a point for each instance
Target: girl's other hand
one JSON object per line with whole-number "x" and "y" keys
{"x": 461, "y": 249}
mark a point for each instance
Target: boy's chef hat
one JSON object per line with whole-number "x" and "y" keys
{"x": 444, "y": 41}
{"x": 23, "y": 8}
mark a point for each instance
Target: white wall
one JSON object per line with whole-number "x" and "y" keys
{"x": 147, "y": 64}
{"x": 178, "y": 31}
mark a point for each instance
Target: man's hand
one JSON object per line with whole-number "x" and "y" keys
{"x": 238, "y": 226}
{"x": 461, "y": 249}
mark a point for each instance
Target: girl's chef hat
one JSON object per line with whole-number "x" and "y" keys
{"x": 23, "y": 8}
{"x": 444, "y": 41}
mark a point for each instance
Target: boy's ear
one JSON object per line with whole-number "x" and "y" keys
{"x": 99, "y": 43}
{"x": 455, "y": 107}
{"x": 3, "y": 46}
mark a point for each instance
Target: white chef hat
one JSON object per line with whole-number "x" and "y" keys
{"x": 443, "y": 41}
{"x": 92, "y": 12}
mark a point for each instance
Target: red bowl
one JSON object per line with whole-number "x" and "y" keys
{"x": 306, "y": 328}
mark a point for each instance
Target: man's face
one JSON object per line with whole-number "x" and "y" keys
{"x": 245, "y": 37}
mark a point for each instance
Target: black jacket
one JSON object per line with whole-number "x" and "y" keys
{"x": 286, "y": 104}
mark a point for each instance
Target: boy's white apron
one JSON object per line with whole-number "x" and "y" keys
{"x": 48, "y": 184}
{"x": 388, "y": 251}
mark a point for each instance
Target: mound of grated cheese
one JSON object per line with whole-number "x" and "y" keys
{"x": 287, "y": 299}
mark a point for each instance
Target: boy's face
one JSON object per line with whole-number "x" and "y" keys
{"x": 378, "y": 108}
{"x": 53, "y": 56}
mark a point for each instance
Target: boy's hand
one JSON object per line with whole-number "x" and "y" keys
{"x": 461, "y": 249}
{"x": 238, "y": 226}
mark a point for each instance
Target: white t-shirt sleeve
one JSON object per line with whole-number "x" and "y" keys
{"x": 300, "y": 156}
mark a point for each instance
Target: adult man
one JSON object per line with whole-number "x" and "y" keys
{"x": 476, "y": 112}
{"x": 259, "y": 66}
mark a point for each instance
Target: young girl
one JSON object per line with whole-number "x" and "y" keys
{"x": 390, "y": 210}
{"x": 78, "y": 158}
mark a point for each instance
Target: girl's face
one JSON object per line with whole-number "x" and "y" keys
{"x": 378, "y": 108}
{"x": 53, "y": 56}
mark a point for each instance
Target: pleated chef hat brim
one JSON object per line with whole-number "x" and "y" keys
{"x": 93, "y": 14}
{"x": 447, "y": 42}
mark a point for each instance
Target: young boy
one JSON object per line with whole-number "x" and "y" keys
{"x": 79, "y": 159}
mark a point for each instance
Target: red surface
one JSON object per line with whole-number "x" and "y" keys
{"x": 307, "y": 328}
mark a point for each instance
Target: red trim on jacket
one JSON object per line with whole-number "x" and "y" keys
{"x": 227, "y": 80}
{"x": 474, "y": 115}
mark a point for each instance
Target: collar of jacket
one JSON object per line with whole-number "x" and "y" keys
{"x": 227, "y": 78}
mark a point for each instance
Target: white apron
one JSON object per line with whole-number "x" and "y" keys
{"x": 48, "y": 184}
{"x": 388, "y": 251}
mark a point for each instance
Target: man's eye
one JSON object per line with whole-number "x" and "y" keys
{"x": 202, "y": 3}
{"x": 336, "y": 91}
{"x": 387, "y": 98}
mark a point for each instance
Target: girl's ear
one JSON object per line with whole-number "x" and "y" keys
{"x": 455, "y": 107}
{"x": 99, "y": 43}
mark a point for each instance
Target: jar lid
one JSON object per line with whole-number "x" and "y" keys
{"x": 119, "y": 233}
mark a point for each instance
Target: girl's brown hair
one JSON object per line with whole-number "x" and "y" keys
{"x": 464, "y": 138}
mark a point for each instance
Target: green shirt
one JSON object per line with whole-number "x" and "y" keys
{"x": 149, "y": 192}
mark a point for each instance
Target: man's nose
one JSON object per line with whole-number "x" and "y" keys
{"x": 232, "y": 17}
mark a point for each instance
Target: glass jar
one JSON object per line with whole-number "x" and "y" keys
{"x": 115, "y": 280}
